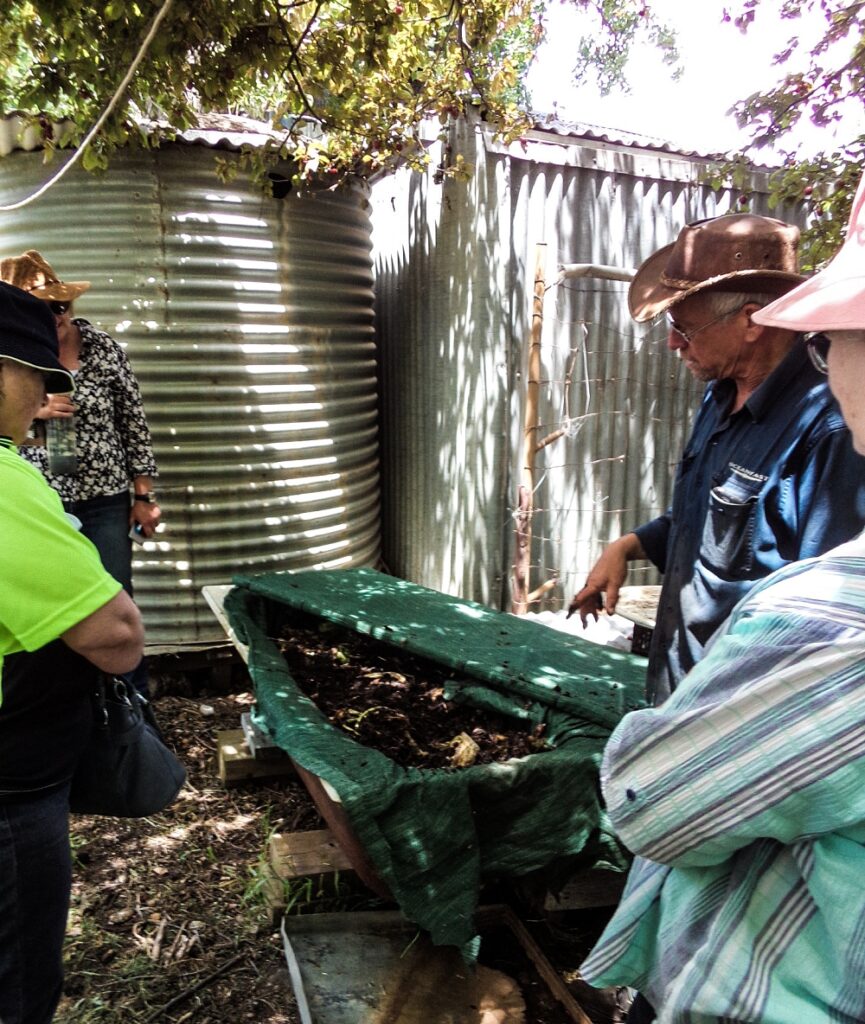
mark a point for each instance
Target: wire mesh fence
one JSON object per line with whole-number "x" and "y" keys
{"x": 613, "y": 411}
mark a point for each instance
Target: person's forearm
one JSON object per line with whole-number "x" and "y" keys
{"x": 142, "y": 484}
{"x": 112, "y": 638}
{"x": 630, "y": 547}
{"x": 654, "y": 536}
{"x": 754, "y": 743}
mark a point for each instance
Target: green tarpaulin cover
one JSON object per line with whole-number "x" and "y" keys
{"x": 436, "y": 836}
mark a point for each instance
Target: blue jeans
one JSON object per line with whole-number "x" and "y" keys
{"x": 35, "y": 882}
{"x": 105, "y": 522}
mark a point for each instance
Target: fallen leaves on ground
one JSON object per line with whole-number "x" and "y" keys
{"x": 167, "y": 922}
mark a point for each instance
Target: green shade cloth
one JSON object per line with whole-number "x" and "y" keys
{"x": 435, "y": 836}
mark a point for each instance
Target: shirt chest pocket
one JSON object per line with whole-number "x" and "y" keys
{"x": 727, "y": 546}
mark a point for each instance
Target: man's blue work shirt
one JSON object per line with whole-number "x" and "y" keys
{"x": 775, "y": 482}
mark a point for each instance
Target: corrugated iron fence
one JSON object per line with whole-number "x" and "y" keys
{"x": 455, "y": 275}
{"x": 250, "y": 324}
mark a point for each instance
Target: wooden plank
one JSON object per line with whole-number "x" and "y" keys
{"x": 639, "y": 605}
{"x": 298, "y": 854}
{"x": 214, "y": 595}
{"x": 236, "y": 764}
{"x": 504, "y": 914}
{"x": 273, "y": 893}
{"x": 260, "y": 743}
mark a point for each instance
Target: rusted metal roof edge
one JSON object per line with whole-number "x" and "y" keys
{"x": 18, "y": 132}
{"x": 548, "y": 124}
{"x": 637, "y": 156}
{"x": 550, "y": 141}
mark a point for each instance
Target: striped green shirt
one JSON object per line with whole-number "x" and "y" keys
{"x": 744, "y": 798}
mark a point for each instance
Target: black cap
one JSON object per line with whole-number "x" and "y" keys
{"x": 28, "y": 334}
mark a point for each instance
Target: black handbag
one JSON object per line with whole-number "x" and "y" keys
{"x": 125, "y": 771}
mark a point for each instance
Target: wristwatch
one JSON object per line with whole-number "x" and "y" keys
{"x": 148, "y": 496}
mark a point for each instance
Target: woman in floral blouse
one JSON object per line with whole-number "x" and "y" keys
{"x": 112, "y": 441}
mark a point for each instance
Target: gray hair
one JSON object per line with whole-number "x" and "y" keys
{"x": 722, "y": 303}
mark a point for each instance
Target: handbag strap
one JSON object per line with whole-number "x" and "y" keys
{"x": 116, "y": 689}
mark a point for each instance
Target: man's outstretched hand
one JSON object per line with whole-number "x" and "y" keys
{"x": 601, "y": 589}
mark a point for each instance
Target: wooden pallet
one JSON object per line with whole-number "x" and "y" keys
{"x": 236, "y": 763}
{"x": 298, "y": 854}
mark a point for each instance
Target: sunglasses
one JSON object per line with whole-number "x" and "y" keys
{"x": 818, "y": 350}
{"x": 690, "y": 333}
{"x": 59, "y": 308}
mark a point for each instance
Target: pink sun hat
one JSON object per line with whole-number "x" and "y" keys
{"x": 834, "y": 298}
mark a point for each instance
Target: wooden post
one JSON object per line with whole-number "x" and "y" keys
{"x": 525, "y": 500}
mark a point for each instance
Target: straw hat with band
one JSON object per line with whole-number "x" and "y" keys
{"x": 28, "y": 335}
{"x": 834, "y": 299}
{"x": 31, "y": 273}
{"x": 741, "y": 252}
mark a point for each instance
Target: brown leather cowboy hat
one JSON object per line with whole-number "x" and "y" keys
{"x": 31, "y": 273}
{"x": 738, "y": 252}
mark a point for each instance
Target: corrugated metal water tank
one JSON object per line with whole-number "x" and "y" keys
{"x": 249, "y": 323}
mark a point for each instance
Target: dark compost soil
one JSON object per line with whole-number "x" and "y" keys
{"x": 394, "y": 701}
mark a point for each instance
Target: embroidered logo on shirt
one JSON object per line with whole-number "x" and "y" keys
{"x": 749, "y": 474}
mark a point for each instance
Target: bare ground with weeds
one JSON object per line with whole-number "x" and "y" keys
{"x": 168, "y": 922}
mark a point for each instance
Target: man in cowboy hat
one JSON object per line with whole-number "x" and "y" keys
{"x": 768, "y": 475}
{"x": 53, "y": 588}
{"x": 743, "y": 796}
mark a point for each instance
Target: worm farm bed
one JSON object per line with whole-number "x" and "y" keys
{"x": 432, "y": 837}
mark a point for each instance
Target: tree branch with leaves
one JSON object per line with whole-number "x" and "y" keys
{"x": 347, "y": 83}
{"x": 828, "y": 81}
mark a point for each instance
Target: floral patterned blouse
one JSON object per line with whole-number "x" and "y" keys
{"x": 112, "y": 439}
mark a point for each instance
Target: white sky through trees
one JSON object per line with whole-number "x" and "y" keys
{"x": 721, "y": 65}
